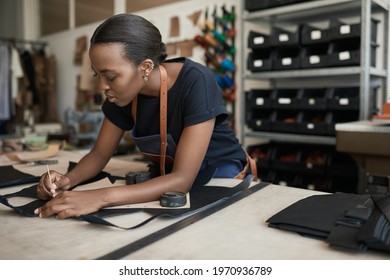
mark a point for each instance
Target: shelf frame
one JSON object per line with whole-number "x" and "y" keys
{"x": 366, "y": 74}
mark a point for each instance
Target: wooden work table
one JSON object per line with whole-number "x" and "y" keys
{"x": 238, "y": 231}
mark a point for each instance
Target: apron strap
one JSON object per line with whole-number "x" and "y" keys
{"x": 163, "y": 115}
{"x": 250, "y": 163}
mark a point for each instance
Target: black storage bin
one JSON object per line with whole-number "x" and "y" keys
{"x": 315, "y": 56}
{"x": 254, "y": 5}
{"x": 341, "y": 30}
{"x": 313, "y": 99}
{"x": 313, "y": 122}
{"x": 263, "y": 174}
{"x": 285, "y": 98}
{"x": 258, "y": 40}
{"x": 314, "y": 182}
{"x": 314, "y": 159}
{"x": 260, "y": 120}
{"x": 277, "y": 3}
{"x": 341, "y": 117}
{"x": 283, "y": 178}
{"x": 260, "y": 98}
{"x": 286, "y": 157}
{"x": 285, "y": 121}
{"x": 262, "y": 154}
{"x": 344, "y": 98}
{"x": 345, "y": 52}
{"x": 286, "y": 58}
{"x": 282, "y": 37}
{"x": 260, "y": 60}
{"x": 313, "y": 35}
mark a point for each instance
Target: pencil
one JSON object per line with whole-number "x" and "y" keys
{"x": 48, "y": 172}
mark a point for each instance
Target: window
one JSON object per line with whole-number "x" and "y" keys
{"x": 54, "y": 16}
{"x": 90, "y": 11}
{"x": 138, "y": 5}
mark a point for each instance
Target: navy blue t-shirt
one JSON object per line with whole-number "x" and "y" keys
{"x": 194, "y": 98}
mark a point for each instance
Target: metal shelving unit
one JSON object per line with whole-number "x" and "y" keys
{"x": 365, "y": 75}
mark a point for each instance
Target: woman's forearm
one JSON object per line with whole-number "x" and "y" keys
{"x": 88, "y": 167}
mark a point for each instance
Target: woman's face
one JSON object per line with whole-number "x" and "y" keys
{"x": 119, "y": 79}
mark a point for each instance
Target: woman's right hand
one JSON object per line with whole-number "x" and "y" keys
{"x": 47, "y": 189}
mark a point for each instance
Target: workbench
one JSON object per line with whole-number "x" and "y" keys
{"x": 368, "y": 143}
{"x": 236, "y": 232}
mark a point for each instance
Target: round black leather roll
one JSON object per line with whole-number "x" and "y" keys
{"x": 173, "y": 199}
{"x": 137, "y": 177}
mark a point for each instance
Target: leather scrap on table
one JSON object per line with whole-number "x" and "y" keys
{"x": 13, "y": 177}
{"x": 200, "y": 196}
{"x": 28, "y": 209}
{"x": 24, "y": 157}
{"x": 344, "y": 220}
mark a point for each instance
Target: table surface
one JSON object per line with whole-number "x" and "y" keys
{"x": 238, "y": 231}
{"x": 364, "y": 126}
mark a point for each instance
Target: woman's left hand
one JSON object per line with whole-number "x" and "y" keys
{"x": 72, "y": 204}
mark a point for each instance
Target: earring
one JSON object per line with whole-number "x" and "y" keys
{"x": 146, "y": 78}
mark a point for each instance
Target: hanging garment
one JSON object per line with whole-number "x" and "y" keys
{"x": 5, "y": 104}
{"x": 50, "y": 92}
{"x": 344, "y": 220}
{"x": 28, "y": 67}
{"x": 16, "y": 73}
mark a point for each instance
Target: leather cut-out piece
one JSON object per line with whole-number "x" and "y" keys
{"x": 13, "y": 177}
{"x": 316, "y": 215}
{"x": 200, "y": 197}
{"x": 31, "y": 192}
{"x": 25, "y": 210}
{"x": 191, "y": 219}
{"x": 343, "y": 220}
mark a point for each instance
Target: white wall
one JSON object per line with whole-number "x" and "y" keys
{"x": 62, "y": 44}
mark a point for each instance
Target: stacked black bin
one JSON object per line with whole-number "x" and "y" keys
{"x": 308, "y": 166}
{"x": 309, "y": 46}
{"x": 307, "y": 111}
{"x": 255, "y": 5}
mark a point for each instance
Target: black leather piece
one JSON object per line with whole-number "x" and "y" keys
{"x": 28, "y": 209}
{"x": 199, "y": 197}
{"x": 25, "y": 210}
{"x": 13, "y": 177}
{"x": 26, "y": 192}
{"x": 346, "y": 237}
{"x": 383, "y": 203}
{"x": 348, "y": 221}
{"x": 127, "y": 249}
{"x": 376, "y": 232}
{"x": 315, "y": 215}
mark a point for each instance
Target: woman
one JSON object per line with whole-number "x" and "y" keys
{"x": 188, "y": 135}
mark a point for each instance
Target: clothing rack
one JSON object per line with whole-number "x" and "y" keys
{"x": 23, "y": 41}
